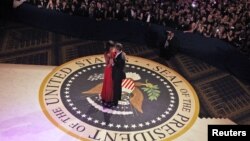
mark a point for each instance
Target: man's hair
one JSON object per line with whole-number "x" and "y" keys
{"x": 119, "y": 46}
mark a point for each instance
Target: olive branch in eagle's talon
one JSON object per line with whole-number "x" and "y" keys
{"x": 152, "y": 90}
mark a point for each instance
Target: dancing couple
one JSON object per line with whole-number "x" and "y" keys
{"x": 113, "y": 73}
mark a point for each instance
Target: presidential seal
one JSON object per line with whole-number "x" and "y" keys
{"x": 157, "y": 103}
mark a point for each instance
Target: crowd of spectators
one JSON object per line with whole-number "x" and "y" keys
{"x": 224, "y": 19}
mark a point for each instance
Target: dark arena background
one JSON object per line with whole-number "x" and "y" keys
{"x": 209, "y": 52}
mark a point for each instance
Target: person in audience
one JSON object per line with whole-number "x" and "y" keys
{"x": 224, "y": 19}
{"x": 170, "y": 47}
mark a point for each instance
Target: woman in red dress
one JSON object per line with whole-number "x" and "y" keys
{"x": 107, "y": 88}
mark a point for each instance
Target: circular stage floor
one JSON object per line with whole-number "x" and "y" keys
{"x": 157, "y": 103}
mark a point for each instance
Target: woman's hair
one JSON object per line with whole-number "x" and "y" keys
{"x": 108, "y": 45}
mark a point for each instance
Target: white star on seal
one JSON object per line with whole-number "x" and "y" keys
{"x": 172, "y": 101}
{"x": 84, "y": 70}
{"x": 172, "y": 97}
{"x": 93, "y": 67}
{"x": 68, "y": 85}
{"x": 71, "y": 104}
{"x": 170, "y": 109}
{"x": 88, "y": 68}
{"x": 99, "y": 66}
{"x": 158, "y": 118}
{"x": 171, "y": 93}
{"x": 118, "y": 126}
{"x": 168, "y": 86}
{"x": 138, "y": 68}
{"x": 170, "y": 90}
{"x": 68, "y": 100}
{"x": 70, "y": 81}
{"x": 126, "y": 126}
{"x": 153, "y": 121}
{"x": 110, "y": 125}
{"x": 66, "y": 96}
{"x": 96, "y": 121}
{"x": 67, "y": 88}
{"x": 153, "y": 74}
{"x": 163, "y": 116}
{"x": 89, "y": 118}
{"x": 133, "y": 126}
{"x": 74, "y": 108}
{"x": 166, "y": 112}
{"x": 83, "y": 115}
{"x": 103, "y": 123}
{"x": 165, "y": 83}
{"x": 171, "y": 105}
{"x": 132, "y": 66}
{"x": 148, "y": 72}
{"x": 79, "y": 72}
{"x": 147, "y": 123}
{"x": 73, "y": 78}
{"x": 141, "y": 125}
{"x": 78, "y": 112}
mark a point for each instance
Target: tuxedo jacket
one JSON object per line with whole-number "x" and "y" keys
{"x": 119, "y": 65}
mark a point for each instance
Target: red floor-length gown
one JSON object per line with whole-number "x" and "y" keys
{"x": 107, "y": 88}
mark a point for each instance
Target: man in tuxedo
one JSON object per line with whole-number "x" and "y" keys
{"x": 170, "y": 46}
{"x": 118, "y": 73}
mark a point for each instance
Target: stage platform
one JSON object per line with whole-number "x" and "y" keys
{"x": 213, "y": 73}
{"x": 34, "y": 107}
